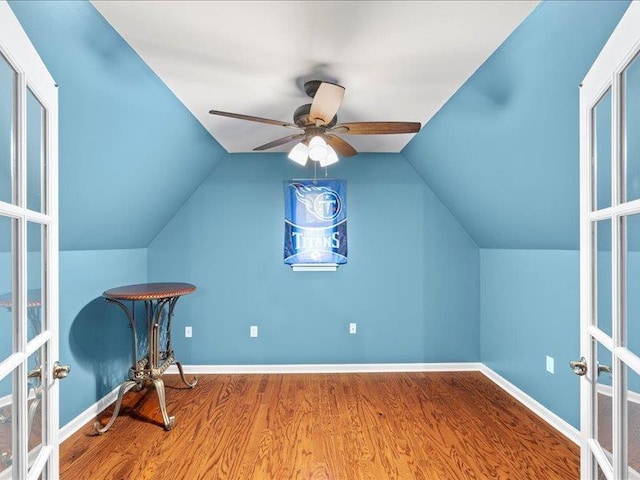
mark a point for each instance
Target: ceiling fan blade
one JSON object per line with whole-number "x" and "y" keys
{"x": 280, "y": 141}
{"x": 251, "y": 118}
{"x": 376, "y": 128}
{"x": 326, "y": 102}
{"x": 341, "y": 147}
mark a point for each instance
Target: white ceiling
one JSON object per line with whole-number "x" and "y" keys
{"x": 398, "y": 60}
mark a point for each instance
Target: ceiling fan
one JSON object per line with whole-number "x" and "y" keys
{"x": 318, "y": 121}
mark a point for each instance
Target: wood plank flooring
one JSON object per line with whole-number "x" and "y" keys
{"x": 375, "y": 426}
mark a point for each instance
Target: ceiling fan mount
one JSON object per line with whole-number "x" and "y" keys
{"x": 319, "y": 119}
{"x": 311, "y": 87}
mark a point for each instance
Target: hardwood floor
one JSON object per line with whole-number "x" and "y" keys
{"x": 401, "y": 426}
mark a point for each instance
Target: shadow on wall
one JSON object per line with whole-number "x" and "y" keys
{"x": 100, "y": 341}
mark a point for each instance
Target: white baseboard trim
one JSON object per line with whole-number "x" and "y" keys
{"x": 328, "y": 368}
{"x": 536, "y": 407}
{"x": 89, "y": 414}
{"x": 608, "y": 391}
{"x": 547, "y": 415}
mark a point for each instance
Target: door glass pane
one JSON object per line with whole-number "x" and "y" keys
{"x": 633, "y": 421}
{"x": 34, "y": 403}
{"x": 7, "y": 122}
{"x": 6, "y": 288}
{"x": 631, "y": 124}
{"x": 35, "y": 152}
{"x": 42, "y": 475}
{"x": 602, "y": 275}
{"x": 604, "y": 412}
{"x": 34, "y": 279}
{"x": 632, "y": 297}
{"x": 602, "y": 151}
{"x": 6, "y": 423}
{"x": 601, "y": 475}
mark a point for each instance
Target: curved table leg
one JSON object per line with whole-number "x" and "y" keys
{"x": 123, "y": 389}
{"x": 4, "y": 418}
{"x": 188, "y": 384}
{"x": 168, "y": 421}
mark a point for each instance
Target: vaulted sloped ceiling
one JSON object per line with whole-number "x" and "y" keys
{"x": 130, "y": 153}
{"x": 397, "y": 59}
{"x": 503, "y": 152}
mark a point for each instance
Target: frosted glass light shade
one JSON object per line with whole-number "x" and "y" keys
{"x": 317, "y": 149}
{"x": 299, "y": 154}
{"x": 330, "y": 159}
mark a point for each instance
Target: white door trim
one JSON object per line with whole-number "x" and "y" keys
{"x": 33, "y": 75}
{"x": 605, "y": 76}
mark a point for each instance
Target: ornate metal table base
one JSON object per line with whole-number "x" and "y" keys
{"x": 149, "y": 368}
{"x": 169, "y": 421}
{"x": 34, "y": 399}
{"x": 34, "y": 381}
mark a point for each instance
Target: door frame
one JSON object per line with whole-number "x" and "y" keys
{"x": 606, "y": 73}
{"x": 33, "y": 74}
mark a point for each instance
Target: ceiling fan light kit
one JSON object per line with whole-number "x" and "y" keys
{"x": 330, "y": 159}
{"x": 299, "y": 154}
{"x": 318, "y": 149}
{"x": 319, "y": 123}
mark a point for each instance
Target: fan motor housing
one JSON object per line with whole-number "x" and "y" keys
{"x": 301, "y": 117}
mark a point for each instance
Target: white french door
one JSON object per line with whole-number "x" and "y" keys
{"x": 610, "y": 257}
{"x": 28, "y": 259}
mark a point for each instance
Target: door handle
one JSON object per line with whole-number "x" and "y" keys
{"x": 604, "y": 368}
{"x": 579, "y": 367}
{"x": 60, "y": 371}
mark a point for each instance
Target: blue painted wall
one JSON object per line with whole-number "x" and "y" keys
{"x": 130, "y": 152}
{"x": 130, "y": 155}
{"x": 411, "y": 284}
{"x": 530, "y": 304}
{"x": 502, "y": 153}
{"x": 6, "y": 121}
{"x": 94, "y": 336}
{"x": 6, "y": 314}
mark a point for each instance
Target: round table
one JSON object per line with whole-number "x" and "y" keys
{"x": 148, "y": 366}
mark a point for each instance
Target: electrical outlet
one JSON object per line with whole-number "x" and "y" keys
{"x": 188, "y": 333}
{"x": 253, "y": 331}
{"x": 352, "y": 329}
{"x": 550, "y": 364}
